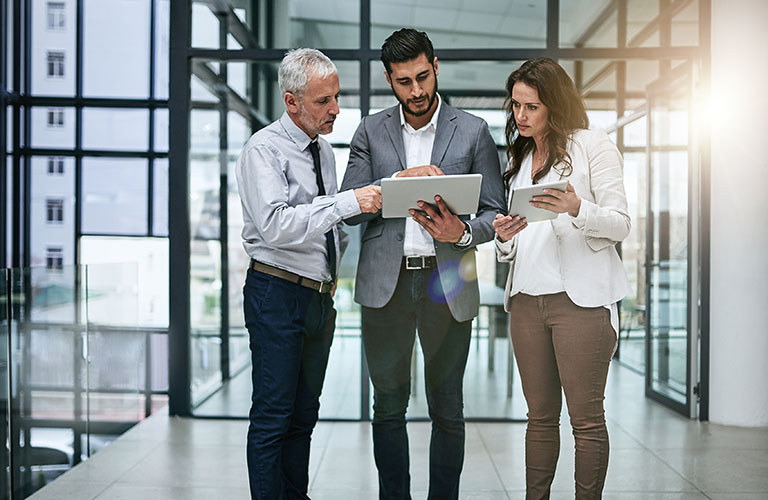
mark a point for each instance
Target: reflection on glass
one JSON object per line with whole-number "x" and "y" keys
{"x": 632, "y": 324}
{"x": 78, "y": 359}
{"x": 669, "y": 274}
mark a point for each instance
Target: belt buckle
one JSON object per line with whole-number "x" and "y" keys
{"x": 325, "y": 287}
{"x": 419, "y": 263}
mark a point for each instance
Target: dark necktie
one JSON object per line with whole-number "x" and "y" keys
{"x": 330, "y": 242}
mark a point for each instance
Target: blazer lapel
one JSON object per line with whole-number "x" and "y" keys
{"x": 394, "y": 129}
{"x": 446, "y": 126}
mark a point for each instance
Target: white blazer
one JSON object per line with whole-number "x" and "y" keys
{"x": 592, "y": 272}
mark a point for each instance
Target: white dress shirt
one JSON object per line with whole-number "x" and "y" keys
{"x": 537, "y": 266}
{"x": 285, "y": 220}
{"x": 418, "y": 151}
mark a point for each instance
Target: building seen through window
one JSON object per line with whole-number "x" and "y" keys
{"x": 54, "y": 257}
{"x": 55, "y": 165}
{"x": 54, "y": 210}
{"x": 55, "y": 117}
{"x": 56, "y": 16}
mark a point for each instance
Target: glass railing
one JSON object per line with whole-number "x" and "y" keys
{"x": 78, "y": 368}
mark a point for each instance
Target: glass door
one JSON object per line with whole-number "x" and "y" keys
{"x": 672, "y": 333}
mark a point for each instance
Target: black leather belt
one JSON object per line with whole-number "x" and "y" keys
{"x": 319, "y": 286}
{"x": 415, "y": 262}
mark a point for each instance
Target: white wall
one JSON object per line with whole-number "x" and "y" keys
{"x": 739, "y": 224}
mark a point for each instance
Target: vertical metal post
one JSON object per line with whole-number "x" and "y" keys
{"x": 365, "y": 107}
{"x": 223, "y": 207}
{"x": 179, "y": 371}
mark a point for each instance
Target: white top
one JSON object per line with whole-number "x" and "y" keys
{"x": 418, "y": 151}
{"x": 590, "y": 269}
{"x": 537, "y": 266}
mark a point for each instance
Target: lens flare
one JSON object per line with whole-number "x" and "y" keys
{"x": 447, "y": 282}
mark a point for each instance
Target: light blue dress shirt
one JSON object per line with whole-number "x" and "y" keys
{"x": 285, "y": 221}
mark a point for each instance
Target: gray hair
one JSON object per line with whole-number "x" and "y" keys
{"x": 300, "y": 64}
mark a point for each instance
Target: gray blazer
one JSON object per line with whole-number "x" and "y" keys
{"x": 462, "y": 145}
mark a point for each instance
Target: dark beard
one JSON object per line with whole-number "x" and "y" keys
{"x": 432, "y": 98}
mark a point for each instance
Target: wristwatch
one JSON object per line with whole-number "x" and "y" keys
{"x": 466, "y": 238}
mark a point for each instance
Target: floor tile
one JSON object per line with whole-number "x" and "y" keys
{"x": 70, "y": 490}
{"x": 134, "y": 492}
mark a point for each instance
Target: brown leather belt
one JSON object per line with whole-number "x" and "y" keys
{"x": 415, "y": 262}
{"x": 319, "y": 286}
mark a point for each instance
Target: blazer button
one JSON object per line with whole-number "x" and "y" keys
{"x": 400, "y": 237}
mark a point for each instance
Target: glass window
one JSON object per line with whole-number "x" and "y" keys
{"x": 53, "y": 128}
{"x": 52, "y": 45}
{"x": 160, "y": 197}
{"x": 142, "y": 261}
{"x": 59, "y": 188}
{"x": 114, "y": 196}
{"x": 161, "y": 129}
{"x": 162, "y": 48}
{"x": 116, "y": 54}
{"x": 588, "y": 24}
{"x": 116, "y": 129}
{"x": 685, "y": 25}
{"x": 293, "y": 23}
{"x": 452, "y": 24}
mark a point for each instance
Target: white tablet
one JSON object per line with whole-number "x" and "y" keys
{"x": 460, "y": 192}
{"x": 521, "y": 198}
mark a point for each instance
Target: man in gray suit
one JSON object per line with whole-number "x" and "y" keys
{"x": 419, "y": 273}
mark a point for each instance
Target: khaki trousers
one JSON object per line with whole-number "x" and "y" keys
{"x": 561, "y": 347}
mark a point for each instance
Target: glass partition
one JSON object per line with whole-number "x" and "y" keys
{"x": 233, "y": 56}
{"x": 78, "y": 362}
{"x": 5, "y": 356}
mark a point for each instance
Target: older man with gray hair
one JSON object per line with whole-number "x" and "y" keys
{"x": 292, "y": 213}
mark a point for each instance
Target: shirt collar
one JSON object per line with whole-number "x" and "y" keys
{"x": 432, "y": 122}
{"x": 298, "y": 136}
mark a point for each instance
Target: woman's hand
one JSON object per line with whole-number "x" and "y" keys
{"x": 506, "y": 226}
{"x": 558, "y": 201}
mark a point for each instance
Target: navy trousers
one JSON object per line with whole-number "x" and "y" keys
{"x": 291, "y": 330}
{"x": 388, "y": 335}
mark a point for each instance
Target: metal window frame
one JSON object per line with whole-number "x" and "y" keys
{"x": 183, "y": 55}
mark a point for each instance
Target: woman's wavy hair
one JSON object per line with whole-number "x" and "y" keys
{"x": 566, "y": 114}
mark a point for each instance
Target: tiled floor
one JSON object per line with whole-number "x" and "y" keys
{"x": 655, "y": 455}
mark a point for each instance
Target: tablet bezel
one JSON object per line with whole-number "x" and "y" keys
{"x": 461, "y": 193}
{"x": 520, "y": 201}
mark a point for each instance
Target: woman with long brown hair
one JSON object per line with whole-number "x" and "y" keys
{"x": 565, "y": 276}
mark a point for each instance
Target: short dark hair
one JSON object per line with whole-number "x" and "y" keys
{"x": 404, "y": 45}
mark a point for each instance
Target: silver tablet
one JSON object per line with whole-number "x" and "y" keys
{"x": 521, "y": 198}
{"x": 460, "y": 192}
